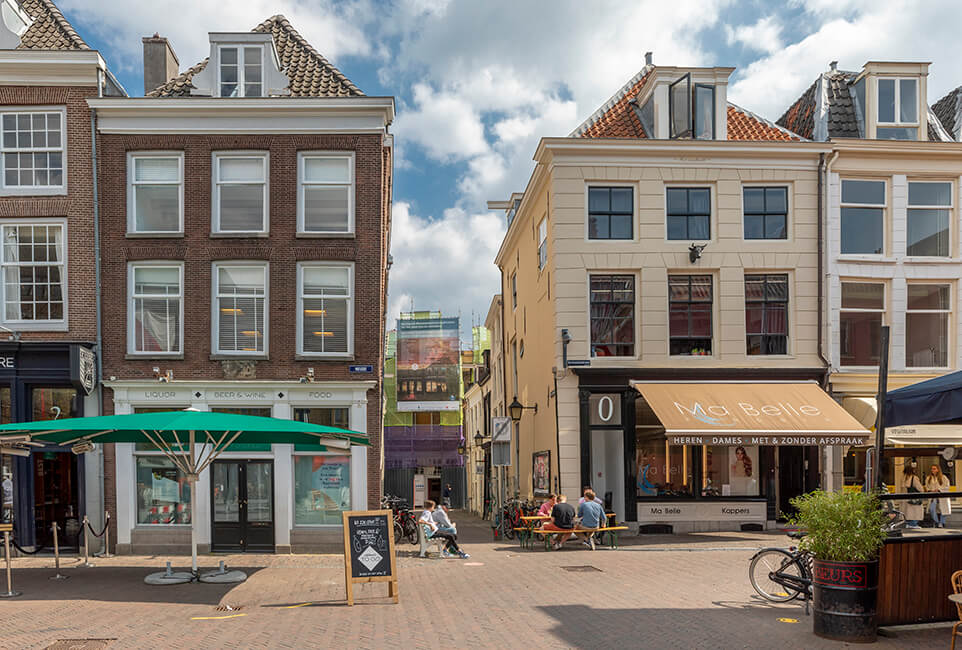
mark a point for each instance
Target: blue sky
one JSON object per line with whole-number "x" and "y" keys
{"x": 478, "y": 83}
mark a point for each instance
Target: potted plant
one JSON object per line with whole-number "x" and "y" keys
{"x": 844, "y": 533}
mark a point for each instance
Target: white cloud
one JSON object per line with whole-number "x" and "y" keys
{"x": 763, "y": 36}
{"x": 337, "y": 27}
{"x": 445, "y": 124}
{"x": 444, "y": 264}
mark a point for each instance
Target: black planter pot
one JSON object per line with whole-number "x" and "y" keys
{"x": 844, "y": 600}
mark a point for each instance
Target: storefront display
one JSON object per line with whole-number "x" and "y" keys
{"x": 322, "y": 489}
{"x": 163, "y": 493}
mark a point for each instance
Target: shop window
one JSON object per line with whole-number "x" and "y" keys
{"x": 163, "y": 493}
{"x": 240, "y": 193}
{"x": 325, "y": 309}
{"x": 156, "y": 309}
{"x": 863, "y": 215}
{"x": 240, "y": 320}
{"x": 766, "y": 314}
{"x": 765, "y": 212}
{"x": 663, "y": 470}
{"x": 927, "y": 325}
{"x": 155, "y": 193}
{"x": 339, "y": 417}
{"x": 898, "y": 109}
{"x": 689, "y": 213}
{"x": 612, "y": 315}
{"x": 257, "y": 411}
{"x": 610, "y": 212}
{"x": 241, "y": 71}
{"x": 322, "y": 488}
{"x": 731, "y": 471}
{"x": 929, "y": 213}
{"x": 690, "y": 314}
{"x": 33, "y": 152}
{"x": 860, "y": 323}
{"x": 53, "y": 403}
{"x": 33, "y": 273}
{"x": 325, "y": 193}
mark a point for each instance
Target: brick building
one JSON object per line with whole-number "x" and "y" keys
{"x": 246, "y": 216}
{"x": 48, "y": 344}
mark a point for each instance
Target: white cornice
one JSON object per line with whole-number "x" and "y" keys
{"x": 242, "y": 115}
{"x": 552, "y": 147}
{"x": 50, "y": 67}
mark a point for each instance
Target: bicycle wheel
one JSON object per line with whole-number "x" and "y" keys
{"x": 506, "y": 527}
{"x": 398, "y": 532}
{"x": 411, "y": 530}
{"x": 761, "y": 573}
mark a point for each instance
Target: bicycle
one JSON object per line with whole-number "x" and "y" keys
{"x": 405, "y": 524}
{"x": 780, "y": 575}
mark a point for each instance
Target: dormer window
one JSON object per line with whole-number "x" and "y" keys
{"x": 898, "y": 109}
{"x": 241, "y": 71}
{"x": 691, "y": 109}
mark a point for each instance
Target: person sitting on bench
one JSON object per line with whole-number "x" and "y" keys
{"x": 450, "y": 544}
{"x": 592, "y": 516}
{"x": 562, "y": 520}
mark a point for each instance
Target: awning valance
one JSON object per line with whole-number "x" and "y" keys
{"x": 936, "y": 435}
{"x": 750, "y": 414}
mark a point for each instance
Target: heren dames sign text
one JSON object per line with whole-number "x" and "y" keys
{"x": 773, "y": 440}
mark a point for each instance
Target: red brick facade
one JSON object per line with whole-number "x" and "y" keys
{"x": 281, "y": 248}
{"x": 76, "y": 206}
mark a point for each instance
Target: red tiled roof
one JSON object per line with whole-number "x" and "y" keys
{"x": 745, "y": 126}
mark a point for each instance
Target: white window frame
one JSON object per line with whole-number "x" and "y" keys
{"x": 216, "y": 183}
{"x": 132, "y": 156}
{"x": 240, "y": 47}
{"x": 950, "y": 207}
{"x": 886, "y": 298}
{"x": 302, "y": 183}
{"x": 543, "y": 243}
{"x": 154, "y": 454}
{"x": 34, "y": 190}
{"x": 948, "y": 311}
{"x": 882, "y": 206}
{"x": 54, "y": 325}
{"x": 215, "y": 307}
{"x": 350, "y": 310}
{"x": 898, "y": 102}
{"x": 131, "y": 351}
{"x": 345, "y": 452}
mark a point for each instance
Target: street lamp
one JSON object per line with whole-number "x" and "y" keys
{"x": 516, "y": 409}
{"x": 478, "y": 439}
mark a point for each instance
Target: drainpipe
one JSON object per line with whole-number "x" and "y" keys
{"x": 557, "y": 437}
{"x": 98, "y": 345}
{"x": 828, "y": 456}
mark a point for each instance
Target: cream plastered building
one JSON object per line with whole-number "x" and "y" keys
{"x": 893, "y": 244}
{"x": 618, "y": 223}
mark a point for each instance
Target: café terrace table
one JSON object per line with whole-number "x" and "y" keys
{"x": 528, "y": 524}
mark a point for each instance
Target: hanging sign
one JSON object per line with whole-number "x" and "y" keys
{"x": 369, "y": 550}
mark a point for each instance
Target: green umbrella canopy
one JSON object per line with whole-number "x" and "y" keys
{"x": 174, "y": 428}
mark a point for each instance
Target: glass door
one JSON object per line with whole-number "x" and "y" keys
{"x": 242, "y": 505}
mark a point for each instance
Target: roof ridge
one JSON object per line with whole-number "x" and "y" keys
{"x": 614, "y": 99}
{"x": 766, "y": 121}
{"x": 283, "y": 23}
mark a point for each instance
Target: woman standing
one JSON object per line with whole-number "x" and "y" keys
{"x": 936, "y": 481}
{"x": 913, "y": 509}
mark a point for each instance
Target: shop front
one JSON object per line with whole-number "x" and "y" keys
{"x": 684, "y": 456}
{"x": 46, "y": 381}
{"x": 253, "y": 498}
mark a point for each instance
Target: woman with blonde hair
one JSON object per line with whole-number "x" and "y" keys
{"x": 913, "y": 509}
{"x": 936, "y": 481}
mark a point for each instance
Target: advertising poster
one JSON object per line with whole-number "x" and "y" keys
{"x": 541, "y": 474}
{"x": 428, "y": 364}
{"x": 743, "y": 470}
{"x": 322, "y": 488}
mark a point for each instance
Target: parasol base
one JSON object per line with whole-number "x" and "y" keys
{"x": 164, "y": 578}
{"x": 223, "y": 576}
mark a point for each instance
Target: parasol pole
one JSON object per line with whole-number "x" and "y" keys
{"x": 192, "y": 481}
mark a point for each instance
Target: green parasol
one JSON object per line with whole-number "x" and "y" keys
{"x": 178, "y": 433}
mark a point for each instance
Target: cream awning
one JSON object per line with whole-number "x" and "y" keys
{"x": 935, "y": 435}
{"x": 750, "y": 414}
{"x": 863, "y": 409}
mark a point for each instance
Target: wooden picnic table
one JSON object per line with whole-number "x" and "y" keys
{"x": 531, "y": 522}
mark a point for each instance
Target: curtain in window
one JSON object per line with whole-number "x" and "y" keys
{"x": 157, "y": 309}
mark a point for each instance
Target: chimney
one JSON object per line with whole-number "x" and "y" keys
{"x": 647, "y": 58}
{"x": 833, "y": 66}
{"x": 160, "y": 62}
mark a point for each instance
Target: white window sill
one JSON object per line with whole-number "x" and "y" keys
{"x": 931, "y": 260}
{"x": 33, "y": 191}
{"x": 307, "y": 356}
{"x": 36, "y": 326}
{"x": 155, "y": 235}
{"x": 154, "y": 355}
{"x": 326, "y": 235}
{"x": 220, "y": 356}
{"x": 865, "y": 258}
{"x": 240, "y": 235}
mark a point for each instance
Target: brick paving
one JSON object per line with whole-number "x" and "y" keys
{"x": 666, "y": 592}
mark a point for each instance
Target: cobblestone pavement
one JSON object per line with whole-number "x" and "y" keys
{"x": 655, "y": 592}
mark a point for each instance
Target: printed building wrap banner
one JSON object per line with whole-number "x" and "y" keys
{"x": 428, "y": 364}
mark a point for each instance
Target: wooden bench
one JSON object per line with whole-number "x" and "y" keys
{"x": 610, "y": 531}
{"x": 426, "y": 542}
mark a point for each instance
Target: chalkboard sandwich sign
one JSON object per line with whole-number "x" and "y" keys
{"x": 369, "y": 550}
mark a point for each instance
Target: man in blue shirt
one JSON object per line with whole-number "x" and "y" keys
{"x": 592, "y": 516}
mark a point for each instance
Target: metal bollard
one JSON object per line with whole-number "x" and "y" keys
{"x": 6, "y": 547}
{"x": 56, "y": 553}
{"x": 86, "y": 562}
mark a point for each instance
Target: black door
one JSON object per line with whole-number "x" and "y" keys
{"x": 791, "y": 477}
{"x": 242, "y": 505}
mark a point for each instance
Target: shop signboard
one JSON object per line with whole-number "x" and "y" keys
{"x": 369, "y": 550}
{"x": 743, "y": 511}
{"x": 420, "y": 490}
{"x": 428, "y": 373}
